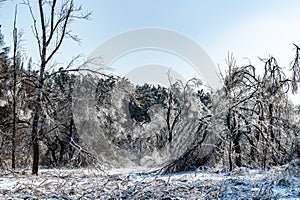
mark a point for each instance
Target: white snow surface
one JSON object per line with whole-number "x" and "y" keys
{"x": 137, "y": 183}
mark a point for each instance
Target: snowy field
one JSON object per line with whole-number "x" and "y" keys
{"x": 276, "y": 183}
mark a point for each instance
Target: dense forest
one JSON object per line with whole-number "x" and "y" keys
{"x": 75, "y": 117}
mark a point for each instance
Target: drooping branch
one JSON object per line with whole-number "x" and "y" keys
{"x": 296, "y": 70}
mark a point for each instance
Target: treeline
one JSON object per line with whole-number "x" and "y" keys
{"x": 249, "y": 122}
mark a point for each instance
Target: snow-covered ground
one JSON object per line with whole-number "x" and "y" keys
{"x": 276, "y": 183}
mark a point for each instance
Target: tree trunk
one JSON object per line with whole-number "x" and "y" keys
{"x": 237, "y": 148}
{"x": 38, "y": 107}
{"x": 13, "y": 139}
{"x": 35, "y": 142}
{"x": 230, "y": 136}
{"x": 169, "y": 118}
{"x": 271, "y": 122}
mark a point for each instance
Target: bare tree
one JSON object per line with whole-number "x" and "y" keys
{"x": 50, "y": 32}
{"x": 15, "y": 36}
{"x": 258, "y": 116}
{"x": 178, "y": 103}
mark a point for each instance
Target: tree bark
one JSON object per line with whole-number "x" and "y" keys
{"x": 35, "y": 142}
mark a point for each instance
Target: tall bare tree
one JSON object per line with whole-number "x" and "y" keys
{"x": 13, "y": 151}
{"x": 50, "y": 31}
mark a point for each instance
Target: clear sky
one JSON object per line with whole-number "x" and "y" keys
{"x": 245, "y": 28}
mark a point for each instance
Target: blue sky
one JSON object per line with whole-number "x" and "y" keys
{"x": 245, "y": 28}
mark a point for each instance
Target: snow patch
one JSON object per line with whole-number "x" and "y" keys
{"x": 138, "y": 183}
